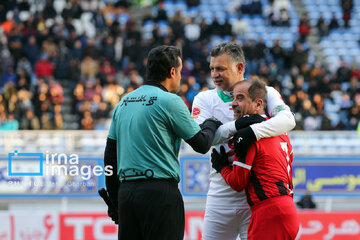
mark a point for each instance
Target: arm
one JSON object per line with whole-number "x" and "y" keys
{"x": 281, "y": 121}
{"x": 229, "y": 129}
{"x": 198, "y": 137}
{"x": 202, "y": 141}
{"x": 110, "y": 159}
{"x": 236, "y": 177}
{"x": 224, "y": 132}
{"x": 112, "y": 182}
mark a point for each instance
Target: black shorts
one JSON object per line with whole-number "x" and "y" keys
{"x": 150, "y": 209}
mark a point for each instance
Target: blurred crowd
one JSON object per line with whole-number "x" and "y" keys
{"x": 44, "y": 55}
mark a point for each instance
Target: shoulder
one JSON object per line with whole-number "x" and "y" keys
{"x": 167, "y": 96}
{"x": 170, "y": 101}
{"x": 272, "y": 92}
{"x": 206, "y": 94}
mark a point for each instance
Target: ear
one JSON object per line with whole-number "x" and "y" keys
{"x": 172, "y": 72}
{"x": 259, "y": 104}
{"x": 240, "y": 67}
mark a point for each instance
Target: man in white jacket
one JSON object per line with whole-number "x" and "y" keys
{"x": 227, "y": 214}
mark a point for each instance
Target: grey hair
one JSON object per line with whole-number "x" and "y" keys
{"x": 233, "y": 50}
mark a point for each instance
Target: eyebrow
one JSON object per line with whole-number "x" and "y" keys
{"x": 239, "y": 95}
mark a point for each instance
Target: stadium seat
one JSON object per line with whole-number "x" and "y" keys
{"x": 59, "y": 5}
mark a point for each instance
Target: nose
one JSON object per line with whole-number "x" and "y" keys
{"x": 234, "y": 104}
{"x": 214, "y": 74}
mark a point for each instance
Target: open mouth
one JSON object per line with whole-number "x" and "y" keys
{"x": 218, "y": 81}
{"x": 237, "y": 111}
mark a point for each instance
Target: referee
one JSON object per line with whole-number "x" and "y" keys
{"x": 143, "y": 145}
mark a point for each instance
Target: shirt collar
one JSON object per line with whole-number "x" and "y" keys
{"x": 156, "y": 84}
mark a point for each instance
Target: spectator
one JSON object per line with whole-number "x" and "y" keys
{"x": 30, "y": 122}
{"x": 24, "y": 65}
{"x": 226, "y": 28}
{"x": 272, "y": 15}
{"x": 108, "y": 50}
{"x": 333, "y": 23}
{"x": 161, "y": 14}
{"x": 49, "y": 10}
{"x": 284, "y": 18}
{"x": 10, "y": 124}
{"x": 298, "y": 55}
{"x": 256, "y": 7}
{"x": 76, "y": 51}
{"x": 177, "y": 25}
{"x": 346, "y": 6}
{"x": 205, "y": 30}
{"x": 91, "y": 50}
{"x": 73, "y": 9}
{"x": 99, "y": 20}
{"x": 322, "y": 27}
{"x": 58, "y": 119}
{"x": 304, "y": 28}
{"x": 2, "y": 12}
{"x": 343, "y": 73}
{"x": 215, "y": 28}
{"x": 192, "y": 30}
{"x": 9, "y": 76}
{"x": 192, "y": 3}
{"x": 44, "y": 68}
{"x": 89, "y": 67}
{"x": 46, "y": 123}
{"x": 306, "y": 202}
{"x": 87, "y": 123}
{"x": 55, "y": 93}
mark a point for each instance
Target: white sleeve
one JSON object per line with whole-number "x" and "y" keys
{"x": 282, "y": 120}
{"x": 224, "y": 132}
{"x": 201, "y": 108}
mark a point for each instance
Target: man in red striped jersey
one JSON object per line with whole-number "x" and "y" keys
{"x": 264, "y": 172}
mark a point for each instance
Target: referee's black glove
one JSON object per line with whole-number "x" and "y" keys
{"x": 113, "y": 211}
{"x": 219, "y": 160}
{"x": 211, "y": 123}
{"x": 248, "y": 120}
{"x": 113, "y": 214}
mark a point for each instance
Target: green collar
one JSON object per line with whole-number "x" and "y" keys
{"x": 224, "y": 97}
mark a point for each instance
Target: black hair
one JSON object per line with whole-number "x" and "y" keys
{"x": 160, "y": 61}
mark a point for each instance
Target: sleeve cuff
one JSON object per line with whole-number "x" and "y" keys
{"x": 254, "y": 127}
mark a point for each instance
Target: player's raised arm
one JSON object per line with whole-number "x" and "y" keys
{"x": 282, "y": 120}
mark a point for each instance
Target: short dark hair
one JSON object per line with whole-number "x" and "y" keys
{"x": 257, "y": 90}
{"x": 160, "y": 61}
{"x": 233, "y": 50}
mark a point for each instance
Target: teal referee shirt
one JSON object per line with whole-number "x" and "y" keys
{"x": 148, "y": 125}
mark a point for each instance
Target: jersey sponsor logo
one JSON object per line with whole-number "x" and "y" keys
{"x": 196, "y": 111}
